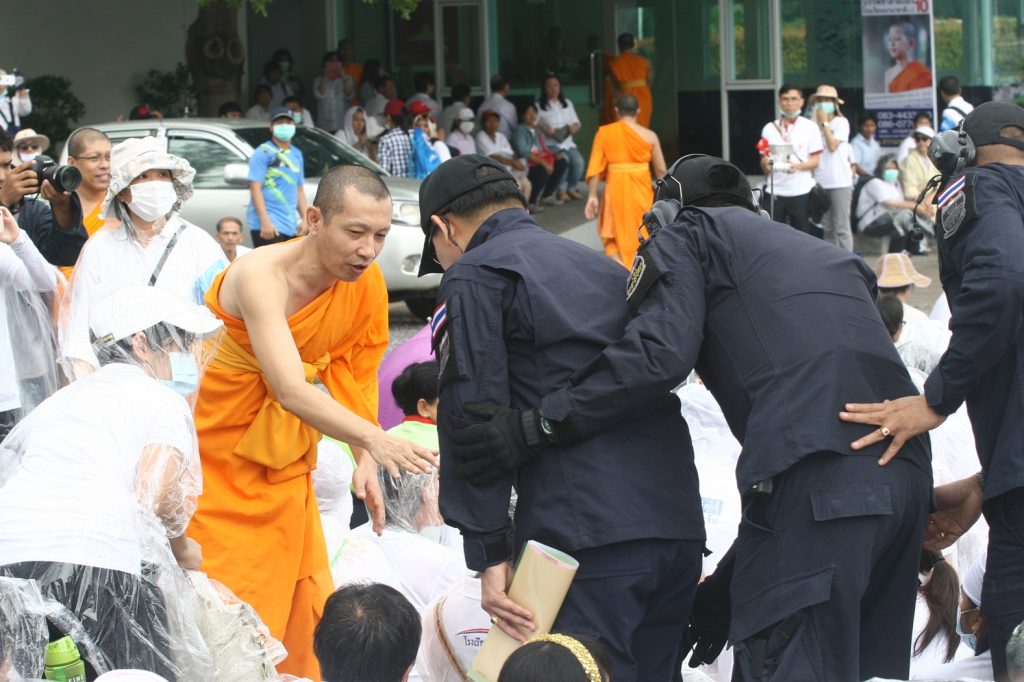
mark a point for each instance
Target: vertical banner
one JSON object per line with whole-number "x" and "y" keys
{"x": 899, "y": 64}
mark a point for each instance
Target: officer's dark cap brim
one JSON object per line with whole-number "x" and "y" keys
{"x": 448, "y": 182}
{"x": 705, "y": 176}
{"x": 987, "y": 120}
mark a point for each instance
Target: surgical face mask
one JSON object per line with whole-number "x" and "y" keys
{"x": 968, "y": 638}
{"x": 792, "y": 116}
{"x": 28, "y": 156}
{"x": 466, "y": 126}
{"x": 284, "y": 132}
{"x": 184, "y": 373}
{"x": 285, "y": 66}
{"x": 891, "y": 174}
{"x": 828, "y": 107}
{"x": 153, "y": 200}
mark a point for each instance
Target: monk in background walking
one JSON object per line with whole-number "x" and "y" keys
{"x": 631, "y": 75}
{"x": 623, "y": 155}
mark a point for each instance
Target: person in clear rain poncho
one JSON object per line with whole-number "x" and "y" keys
{"x": 99, "y": 482}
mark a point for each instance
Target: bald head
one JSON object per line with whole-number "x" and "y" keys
{"x": 332, "y": 188}
{"x": 82, "y": 138}
{"x": 627, "y": 105}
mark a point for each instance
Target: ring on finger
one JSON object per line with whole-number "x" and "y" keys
{"x": 885, "y": 431}
{"x": 495, "y": 620}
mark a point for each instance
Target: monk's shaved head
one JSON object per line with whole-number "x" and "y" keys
{"x": 627, "y": 105}
{"x": 332, "y": 188}
{"x": 82, "y": 138}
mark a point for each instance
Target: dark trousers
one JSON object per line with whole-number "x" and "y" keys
{"x": 124, "y": 615}
{"x": 1002, "y": 594}
{"x": 791, "y": 210}
{"x": 543, "y": 183}
{"x": 825, "y": 580}
{"x": 257, "y": 240}
{"x": 635, "y": 597}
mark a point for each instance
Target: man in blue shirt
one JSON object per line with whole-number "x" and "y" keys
{"x": 276, "y": 184}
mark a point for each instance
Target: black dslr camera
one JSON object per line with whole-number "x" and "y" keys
{"x": 63, "y": 178}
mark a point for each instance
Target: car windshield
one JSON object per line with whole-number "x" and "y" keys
{"x": 320, "y": 151}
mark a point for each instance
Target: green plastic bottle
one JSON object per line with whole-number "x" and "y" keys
{"x": 63, "y": 662}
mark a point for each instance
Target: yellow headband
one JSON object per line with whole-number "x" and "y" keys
{"x": 581, "y": 653}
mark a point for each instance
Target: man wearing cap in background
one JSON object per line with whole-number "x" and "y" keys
{"x": 146, "y": 243}
{"x": 980, "y": 235}
{"x": 898, "y": 276}
{"x": 522, "y": 310}
{"x": 311, "y": 308}
{"x": 394, "y": 147}
{"x": 822, "y": 579}
{"x": 277, "y": 184}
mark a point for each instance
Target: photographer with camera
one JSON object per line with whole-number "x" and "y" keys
{"x": 56, "y": 229}
{"x": 13, "y": 108}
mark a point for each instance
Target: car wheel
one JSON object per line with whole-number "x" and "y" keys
{"x": 421, "y": 308}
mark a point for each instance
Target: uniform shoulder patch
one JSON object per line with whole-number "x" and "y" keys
{"x": 955, "y": 205}
{"x": 644, "y": 274}
{"x": 639, "y": 265}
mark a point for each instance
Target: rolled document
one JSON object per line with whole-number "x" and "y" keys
{"x": 540, "y": 583}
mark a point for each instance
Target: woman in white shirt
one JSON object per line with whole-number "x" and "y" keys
{"x": 881, "y": 208}
{"x": 556, "y": 117}
{"x": 98, "y": 485}
{"x": 490, "y": 142}
{"x": 145, "y": 242}
{"x": 460, "y": 137}
{"x": 354, "y": 133}
{"x": 332, "y": 90}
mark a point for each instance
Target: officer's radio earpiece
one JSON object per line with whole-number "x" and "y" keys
{"x": 952, "y": 151}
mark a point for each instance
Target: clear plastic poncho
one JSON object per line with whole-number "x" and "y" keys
{"x": 93, "y": 485}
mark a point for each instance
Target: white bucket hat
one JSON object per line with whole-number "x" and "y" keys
{"x": 129, "y": 310}
{"x": 135, "y": 156}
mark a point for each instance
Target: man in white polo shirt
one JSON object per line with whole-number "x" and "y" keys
{"x": 794, "y": 151}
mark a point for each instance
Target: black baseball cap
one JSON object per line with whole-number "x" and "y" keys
{"x": 448, "y": 182}
{"x": 984, "y": 123}
{"x": 696, "y": 176}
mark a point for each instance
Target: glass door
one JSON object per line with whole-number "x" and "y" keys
{"x": 461, "y": 50}
{"x": 750, "y": 75}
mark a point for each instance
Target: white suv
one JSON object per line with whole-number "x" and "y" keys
{"x": 219, "y": 150}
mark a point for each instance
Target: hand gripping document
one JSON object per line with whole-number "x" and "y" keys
{"x": 540, "y": 583}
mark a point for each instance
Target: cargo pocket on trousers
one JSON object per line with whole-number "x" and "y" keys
{"x": 848, "y": 501}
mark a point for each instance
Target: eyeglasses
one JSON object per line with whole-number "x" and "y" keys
{"x": 95, "y": 158}
{"x": 28, "y": 145}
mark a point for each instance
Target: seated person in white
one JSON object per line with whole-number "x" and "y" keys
{"x": 98, "y": 484}
{"x": 145, "y": 242}
{"x": 400, "y": 557}
{"x": 454, "y": 627}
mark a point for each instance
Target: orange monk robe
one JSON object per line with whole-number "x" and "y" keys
{"x": 630, "y": 70}
{"x": 257, "y": 520}
{"x": 625, "y": 160}
{"x": 354, "y": 69}
{"x": 914, "y": 76}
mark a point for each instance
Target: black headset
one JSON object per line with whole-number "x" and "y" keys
{"x": 952, "y": 151}
{"x": 668, "y": 200}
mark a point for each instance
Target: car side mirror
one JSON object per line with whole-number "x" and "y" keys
{"x": 236, "y": 174}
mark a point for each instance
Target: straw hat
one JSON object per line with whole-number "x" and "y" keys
{"x": 28, "y": 136}
{"x": 895, "y": 270}
{"x": 825, "y": 91}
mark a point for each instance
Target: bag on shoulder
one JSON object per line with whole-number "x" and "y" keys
{"x": 819, "y": 204}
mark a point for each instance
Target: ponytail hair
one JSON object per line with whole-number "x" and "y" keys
{"x": 942, "y": 595}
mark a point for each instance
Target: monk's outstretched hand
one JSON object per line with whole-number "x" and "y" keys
{"x": 395, "y": 453}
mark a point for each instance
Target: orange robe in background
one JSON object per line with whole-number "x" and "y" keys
{"x": 630, "y": 70}
{"x": 624, "y": 158}
{"x": 354, "y": 69}
{"x": 257, "y": 521}
{"x": 914, "y": 76}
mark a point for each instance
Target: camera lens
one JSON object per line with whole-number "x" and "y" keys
{"x": 65, "y": 178}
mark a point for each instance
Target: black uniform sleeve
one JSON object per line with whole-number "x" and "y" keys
{"x": 989, "y": 310}
{"x": 58, "y": 245}
{"x": 660, "y": 345}
{"x": 470, "y": 350}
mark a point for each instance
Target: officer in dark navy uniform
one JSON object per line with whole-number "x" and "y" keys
{"x": 980, "y": 234}
{"x": 782, "y": 328}
{"x": 521, "y": 310}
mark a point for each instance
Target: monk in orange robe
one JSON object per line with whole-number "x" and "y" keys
{"x": 89, "y": 152}
{"x": 623, "y": 154}
{"x": 906, "y": 73}
{"x": 631, "y": 75}
{"x": 311, "y": 308}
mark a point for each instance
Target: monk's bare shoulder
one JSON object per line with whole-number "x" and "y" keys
{"x": 259, "y": 277}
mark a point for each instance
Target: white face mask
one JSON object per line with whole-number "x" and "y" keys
{"x": 152, "y": 200}
{"x": 466, "y": 126}
{"x": 28, "y": 156}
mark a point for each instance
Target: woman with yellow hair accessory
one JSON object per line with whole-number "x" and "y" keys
{"x": 558, "y": 657}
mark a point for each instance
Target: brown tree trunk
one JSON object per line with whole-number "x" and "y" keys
{"x": 215, "y": 56}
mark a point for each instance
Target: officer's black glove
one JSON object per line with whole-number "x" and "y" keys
{"x": 708, "y": 631}
{"x": 504, "y": 442}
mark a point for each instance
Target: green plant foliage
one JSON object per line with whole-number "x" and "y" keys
{"x": 169, "y": 92}
{"x": 55, "y": 109}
